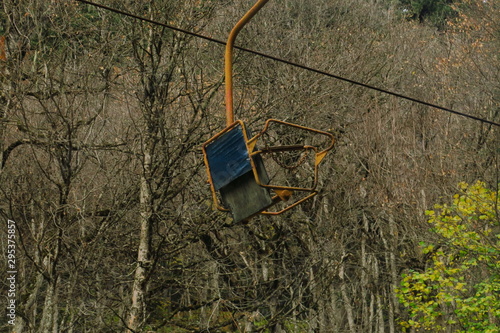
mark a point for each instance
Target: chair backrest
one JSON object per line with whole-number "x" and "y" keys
{"x": 237, "y": 167}
{"x": 231, "y": 173}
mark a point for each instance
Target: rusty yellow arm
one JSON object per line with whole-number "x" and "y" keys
{"x": 229, "y": 58}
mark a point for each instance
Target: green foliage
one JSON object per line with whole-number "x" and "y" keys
{"x": 296, "y": 326}
{"x": 261, "y": 325}
{"x": 460, "y": 288}
{"x": 434, "y": 11}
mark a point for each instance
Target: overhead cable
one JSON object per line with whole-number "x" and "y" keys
{"x": 307, "y": 68}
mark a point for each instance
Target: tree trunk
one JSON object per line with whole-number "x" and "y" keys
{"x": 49, "y": 306}
{"x": 137, "y": 310}
{"x": 347, "y": 300}
{"x": 366, "y": 322}
{"x": 393, "y": 301}
{"x": 4, "y": 98}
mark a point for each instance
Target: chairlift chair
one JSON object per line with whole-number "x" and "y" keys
{"x": 234, "y": 159}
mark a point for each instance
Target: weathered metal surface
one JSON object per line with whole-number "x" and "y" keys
{"x": 228, "y": 157}
{"x": 244, "y": 197}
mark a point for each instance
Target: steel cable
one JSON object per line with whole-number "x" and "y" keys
{"x": 307, "y": 68}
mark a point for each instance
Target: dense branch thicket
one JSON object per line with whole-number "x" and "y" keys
{"x": 101, "y": 123}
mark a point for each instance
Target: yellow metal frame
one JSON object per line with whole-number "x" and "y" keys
{"x": 283, "y": 193}
{"x": 228, "y": 64}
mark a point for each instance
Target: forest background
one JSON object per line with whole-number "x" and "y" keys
{"x": 101, "y": 122}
